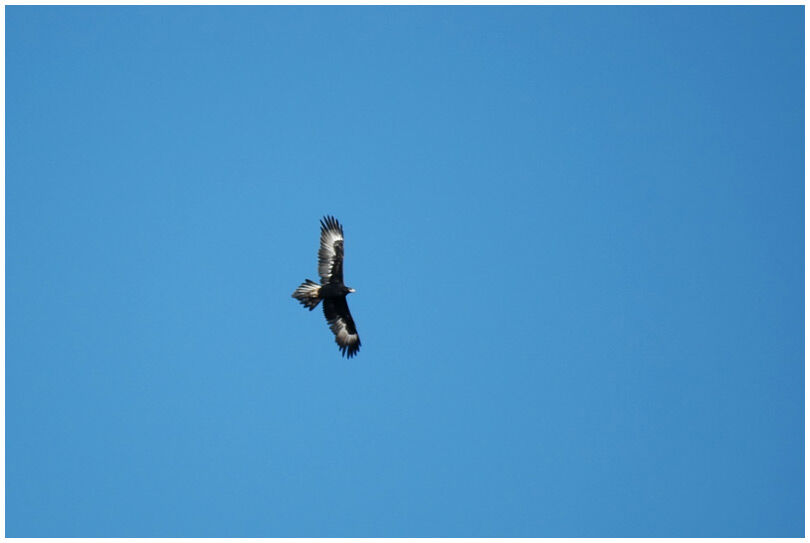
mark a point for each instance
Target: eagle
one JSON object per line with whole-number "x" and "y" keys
{"x": 331, "y": 290}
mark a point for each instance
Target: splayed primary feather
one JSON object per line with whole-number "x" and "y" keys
{"x": 330, "y": 254}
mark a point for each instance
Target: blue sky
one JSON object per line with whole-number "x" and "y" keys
{"x": 576, "y": 236}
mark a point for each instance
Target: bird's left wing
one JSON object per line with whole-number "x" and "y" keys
{"x": 330, "y": 254}
{"x": 336, "y": 311}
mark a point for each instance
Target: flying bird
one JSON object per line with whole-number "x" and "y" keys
{"x": 331, "y": 290}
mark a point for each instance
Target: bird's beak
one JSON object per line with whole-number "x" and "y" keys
{"x": 351, "y": 290}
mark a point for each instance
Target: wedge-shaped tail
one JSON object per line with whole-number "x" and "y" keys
{"x": 309, "y": 294}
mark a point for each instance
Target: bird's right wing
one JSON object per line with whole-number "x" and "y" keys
{"x": 336, "y": 311}
{"x": 330, "y": 254}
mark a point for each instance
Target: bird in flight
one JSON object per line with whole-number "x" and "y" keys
{"x": 331, "y": 290}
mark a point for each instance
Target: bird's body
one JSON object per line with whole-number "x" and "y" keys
{"x": 331, "y": 291}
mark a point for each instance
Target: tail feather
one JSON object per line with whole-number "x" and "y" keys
{"x": 309, "y": 294}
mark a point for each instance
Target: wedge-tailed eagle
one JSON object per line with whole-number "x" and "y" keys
{"x": 331, "y": 290}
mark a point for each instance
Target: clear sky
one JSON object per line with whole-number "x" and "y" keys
{"x": 576, "y": 236}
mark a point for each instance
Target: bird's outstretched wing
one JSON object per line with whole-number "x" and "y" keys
{"x": 340, "y": 321}
{"x": 330, "y": 254}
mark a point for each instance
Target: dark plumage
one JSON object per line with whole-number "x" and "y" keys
{"x": 331, "y": 290}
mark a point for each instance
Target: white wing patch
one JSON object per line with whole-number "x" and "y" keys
{"x": 331, "y": 231}
{"x": 343, "y": 335}
{"x": 346, "y": 340}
